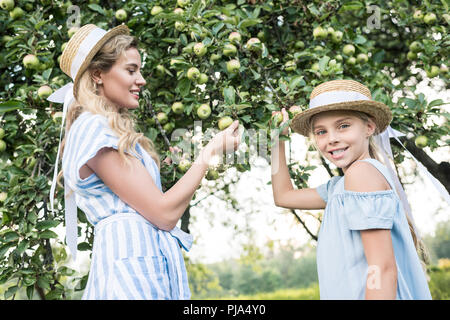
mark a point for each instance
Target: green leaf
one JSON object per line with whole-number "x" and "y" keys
{"x": 43, "y": 283}
{"x": 360, "y": 39}
{"x": 248, "y": 23}
{"x": 10, "y": 236}
{"x": 217, "y": 27}
{"x": 30, "y": 291}
{"x": 97, "y": 8}
{"x": 183, "y": 87}
{"x": 323, "y": 63}
{"x": 435, "y": 103}
{"x": 11, "y": 105}
{"x": 11, "y": 291}
{"x": 295, "y": 81}
{"x": 229, "y": 95}
{"x": 47, "y": 234}
{"x": 46, "y": 224}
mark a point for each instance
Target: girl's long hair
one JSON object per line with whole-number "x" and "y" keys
{"x": 375, "y": 154}
{"x": 119, "y": 118}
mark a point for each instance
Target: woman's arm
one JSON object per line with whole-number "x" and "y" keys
{"x": 135, "y": 186}
{"x": 284, "y": 194}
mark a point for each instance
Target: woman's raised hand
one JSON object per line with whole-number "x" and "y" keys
{"x": 285, "y": 119}
{"x": 226, "y": 141}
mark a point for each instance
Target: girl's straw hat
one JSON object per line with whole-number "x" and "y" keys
{"x": 342, "y": 95}
{"x": 82, "y": 47}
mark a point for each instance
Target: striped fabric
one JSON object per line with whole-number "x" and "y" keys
{"x": 131, "y": 258}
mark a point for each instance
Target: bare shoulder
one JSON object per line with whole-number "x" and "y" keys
{"x": 361, "y": 176}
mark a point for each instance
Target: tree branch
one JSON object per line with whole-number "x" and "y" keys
{"x": 303, "y": 224}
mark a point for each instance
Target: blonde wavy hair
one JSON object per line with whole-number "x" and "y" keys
{"x": 375, "y": 154}
{"x": 119, "y": 118}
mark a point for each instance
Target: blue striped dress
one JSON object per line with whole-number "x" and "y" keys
{"x": 131, "y": 258}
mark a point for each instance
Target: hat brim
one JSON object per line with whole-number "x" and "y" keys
{"x": 380, "y": 113}
{"x": 122, "y": 29}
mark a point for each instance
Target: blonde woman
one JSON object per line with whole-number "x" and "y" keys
{"x": 366, "y": 245}
{"x": 113, "y": 172}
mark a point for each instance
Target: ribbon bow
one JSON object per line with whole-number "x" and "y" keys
{"x": 65, "y": 95}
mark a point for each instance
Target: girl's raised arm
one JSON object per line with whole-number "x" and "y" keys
{"x": 284, "y": 193}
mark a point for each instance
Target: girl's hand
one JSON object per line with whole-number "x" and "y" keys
{"x": 285, "y": 132}
{"x": 226, "y": 141}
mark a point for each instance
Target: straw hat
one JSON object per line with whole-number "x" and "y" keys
{"x": 83, "y": 46}
{"x": 342, "y": 95}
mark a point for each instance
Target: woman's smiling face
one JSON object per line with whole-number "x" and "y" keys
{"x": 121, "y": 84}
{"x": 342, "y": 137}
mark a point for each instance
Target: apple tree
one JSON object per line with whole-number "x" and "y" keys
{"x": 206, "y": 63}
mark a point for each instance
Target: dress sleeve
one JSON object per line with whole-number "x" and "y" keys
{"x": 324, "y": 189}
{"x": 88, "y": 137}
{"x": 370, "y": 210}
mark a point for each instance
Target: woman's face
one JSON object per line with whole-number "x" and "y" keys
{"x": 121, "y": 84}
{"x": 342, "y": 137}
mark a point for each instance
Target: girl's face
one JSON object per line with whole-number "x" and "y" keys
{"x": 342, "y": 137}
{"x": 121, "y": 84}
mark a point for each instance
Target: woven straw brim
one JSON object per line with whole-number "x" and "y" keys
{"x": 380, "y": 112}
{"x": 73, "y": 45}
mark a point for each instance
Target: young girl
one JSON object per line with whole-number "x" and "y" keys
{"x": 366, "y": 248}
{"x": 114, "y": 173}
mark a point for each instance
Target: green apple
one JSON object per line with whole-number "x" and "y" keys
{"x": 415, "y": 46}
{"x": 421, "y": 141}
{"x": 349, "y": 49}
{"x": 72, "y": 31}
{"x": 193, "y": 73}
{"x": 362, "y": 58}
{"x": 432, "y": 72}
{"x": 162, "y": 118}
{"x": 277, "y": 118}
{"x": 233, "y": 66}
{"x": 229, "y": 49}
{"x": 30, "y": 61}
{"x": 178, "y": 11}
{"x": 315, "y": 66}
{"x": 235, "y": 37}
{"x": 338, "y": 57}
{"x": 253, "y": 44}
{"x": 179, "y": 25}
{"x": 299, "y": 44}
{"x": 2, "y": 145}
{"x": 204, "y": 111}
{"x": 351, "y": 61}
{"x": 183, "y": 3}
{"x": 337, "y": 36}
{"x": 320, "y": 33}
{"x": 178, "y": 107}
{"x": 224, "y": 122}
{"x": 168, "y": 127}
{"x": 294, "y": 110}
{"x": 411, "y": 55}
{"x": 3, "y": 196}
{"x": 446, "y": 17}
{"x": 214, "y": 57}
{"x": 121, "y": 15}
{"x": 2, "y": 133}
{"x": 212, "y": 174}
{"x": 443, "y": 69}
{"x": 332, "y": 63}
{"x": 184, "y": 165}
{"x": 16, "y": 13}
{"x": 202, "y": 78}
{"x": 429, "y": 18}
{"x": 418, "y": 15}
{"x": 290, "y": 65}
{"x": 200, "y": 49}
{"x": 156, "y": 10}
{"x": 44, "y": 92}
{"x": 7, "y": 4}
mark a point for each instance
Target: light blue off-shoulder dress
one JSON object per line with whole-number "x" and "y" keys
{"x": 341, "y": 264}
{"x": 131, "y": 258}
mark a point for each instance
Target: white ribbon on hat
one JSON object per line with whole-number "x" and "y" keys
{"x": 65, "y": 95}
{"x": 383, "y": 142}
